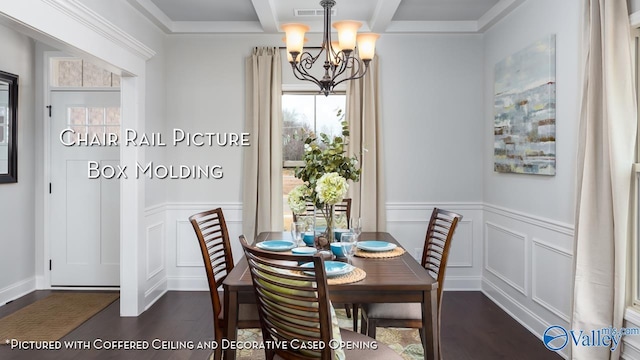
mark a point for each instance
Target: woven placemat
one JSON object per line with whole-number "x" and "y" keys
{"x": 356, "y": 275}
{"x": 380, "y": 255}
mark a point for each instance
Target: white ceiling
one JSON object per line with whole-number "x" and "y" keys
{"x": 382, "y": 16}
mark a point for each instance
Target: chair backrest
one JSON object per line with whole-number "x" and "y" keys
{"x": 211, "y": 230}
{"x": 437, "y": 243}
{"x": 343, "y": 207}
{"x": 293, "y": 304}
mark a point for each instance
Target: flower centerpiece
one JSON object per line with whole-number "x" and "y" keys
{"x": 325, "y": 174}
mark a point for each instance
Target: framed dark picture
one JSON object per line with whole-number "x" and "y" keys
{"x": 8, "y": 127}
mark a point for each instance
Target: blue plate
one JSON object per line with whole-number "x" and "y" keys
{"x": 304, "y": 251}
{"x": 276, "y": 245}
{"x": 376, "y": 245}
{"x": 332, "y": 268}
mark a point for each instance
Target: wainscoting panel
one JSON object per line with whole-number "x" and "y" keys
{"x": 631, "y": 343}
{"x": 500, "y": 241}
{"x": 551, "y": 272}
{"x": 155, "y": 244}
{"x": 408, "y": 222}
{"x": 185, "y": 268}
{"x": 528, "y": 268}
{"x": 187, "y": 249}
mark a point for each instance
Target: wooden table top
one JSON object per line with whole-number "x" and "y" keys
{"x": 384, "y": 276}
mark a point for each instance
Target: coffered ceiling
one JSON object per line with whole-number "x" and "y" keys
{"x": 382, "y": 16}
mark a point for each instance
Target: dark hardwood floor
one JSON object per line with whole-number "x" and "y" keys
{"x": 473, "y": 327}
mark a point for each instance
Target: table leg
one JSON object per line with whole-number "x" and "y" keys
{"x": 430, "y": 324}
{"x": 231, "y": 317}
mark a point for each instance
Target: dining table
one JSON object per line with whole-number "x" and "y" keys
{"x": 399, "y": 279}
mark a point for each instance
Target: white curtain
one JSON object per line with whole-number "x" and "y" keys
{"x": 606, "y": 148}
{"x": 262, "y": 183}
{"x": 363, "y": 115}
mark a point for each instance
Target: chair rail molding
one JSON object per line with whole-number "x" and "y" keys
{"x": 563, "y": 228}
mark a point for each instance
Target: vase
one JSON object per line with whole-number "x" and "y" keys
{"x": 324, "y": 238}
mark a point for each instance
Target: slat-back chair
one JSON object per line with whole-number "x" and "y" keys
{"x": 213, "y": 237}
{"x": 435, "y": 254}
{"x": 294, "y": 308}
{"x": 343, "y": 207}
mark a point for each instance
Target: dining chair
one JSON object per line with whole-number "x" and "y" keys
{"x": 341, "y": 208}
{"x": 294, "y": 308}
{"x": 213, "y": 237}
{"x": 435, "y": 254}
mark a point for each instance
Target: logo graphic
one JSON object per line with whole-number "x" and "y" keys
{"x": 555, "y": 338}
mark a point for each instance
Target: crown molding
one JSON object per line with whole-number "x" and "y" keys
{"x": 92, "y": 20}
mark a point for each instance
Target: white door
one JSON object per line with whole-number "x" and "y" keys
{"x": 84, "y": 212}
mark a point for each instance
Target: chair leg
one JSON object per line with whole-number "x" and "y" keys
{"x": 363, "y": 324}
{"x": 355, "y": 316}
{"x": 421, "y": 331}
{"x": 371, "y": 328}
{"x": 217, "y": 355}
{"x": 347, "y": 309}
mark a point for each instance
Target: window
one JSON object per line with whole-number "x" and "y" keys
{"x": 73, "y": 72}
{"x": 305, "y": 112}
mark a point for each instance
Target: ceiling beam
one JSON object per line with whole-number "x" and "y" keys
{"x": 497, "y": 12}
{"x": 385, "y": 9}
{"x": 433, "y": 27}
{"x": 266, "y": 15}
{"x": 154, "y": 14}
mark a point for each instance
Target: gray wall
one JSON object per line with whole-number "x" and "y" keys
{"x": 17, "y": 202}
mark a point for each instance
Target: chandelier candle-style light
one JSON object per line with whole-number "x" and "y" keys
{"x": 338, "y": 57}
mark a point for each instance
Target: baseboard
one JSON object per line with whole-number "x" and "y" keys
{"x": 17, "y": 290}
{"x": 198, "y": 283}
{"x": 154, "y": 293}
{"x": 463, "y": 283}
{"x": 517, "y": 311}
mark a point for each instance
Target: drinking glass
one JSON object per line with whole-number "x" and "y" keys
{"x": 356, "y": 226}
{"x": 349, "y": 242}
{"x": 297, "y": 232}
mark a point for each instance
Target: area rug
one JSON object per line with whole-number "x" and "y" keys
{"x": 53, "y": 317}
{"x": 405, "y": 342}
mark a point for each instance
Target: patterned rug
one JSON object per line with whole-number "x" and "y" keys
{"x": 53, "y": 317}
{"x": 405, "y": 342}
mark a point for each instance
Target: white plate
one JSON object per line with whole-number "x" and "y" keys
{"x": 276, "y": 245}
{"x": 331, "y": 268}
{"x": 376, "y": 245}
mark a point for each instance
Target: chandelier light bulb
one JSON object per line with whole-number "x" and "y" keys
{"x": 294, "y": 36}
{"x": 367, "y": 45}
{"x": 347, "y": 31}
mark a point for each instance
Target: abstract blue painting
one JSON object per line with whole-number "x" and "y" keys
{"x": 525, "y": 110}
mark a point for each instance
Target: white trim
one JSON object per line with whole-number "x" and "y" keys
{"x": 522, "y": 289}
{"x": 517, "y": 311}
{"x": 188, "y": 283}
{"x": 634, "y": 19}
{"x": 470, "y": 247}
{"x": 633, "y": 315}
{"x": 17, "y": 290}
{"x": 557, "y": 226}
{"x": 153, "y": 272}
{"x": 497, "y": 12}
{"x": 154, "y": 293}
{"x": 541, "y": 244}
{"x": 453, "y": 206}
{"x": 462, "y": 283}
{"x": 94, "y": 21}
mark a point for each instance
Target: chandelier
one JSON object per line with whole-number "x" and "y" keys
{"x": 338, "y": 56}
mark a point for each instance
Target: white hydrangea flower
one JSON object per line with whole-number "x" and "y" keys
{"x": 331, "y": 188}
{"x": 297, "y": 199}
